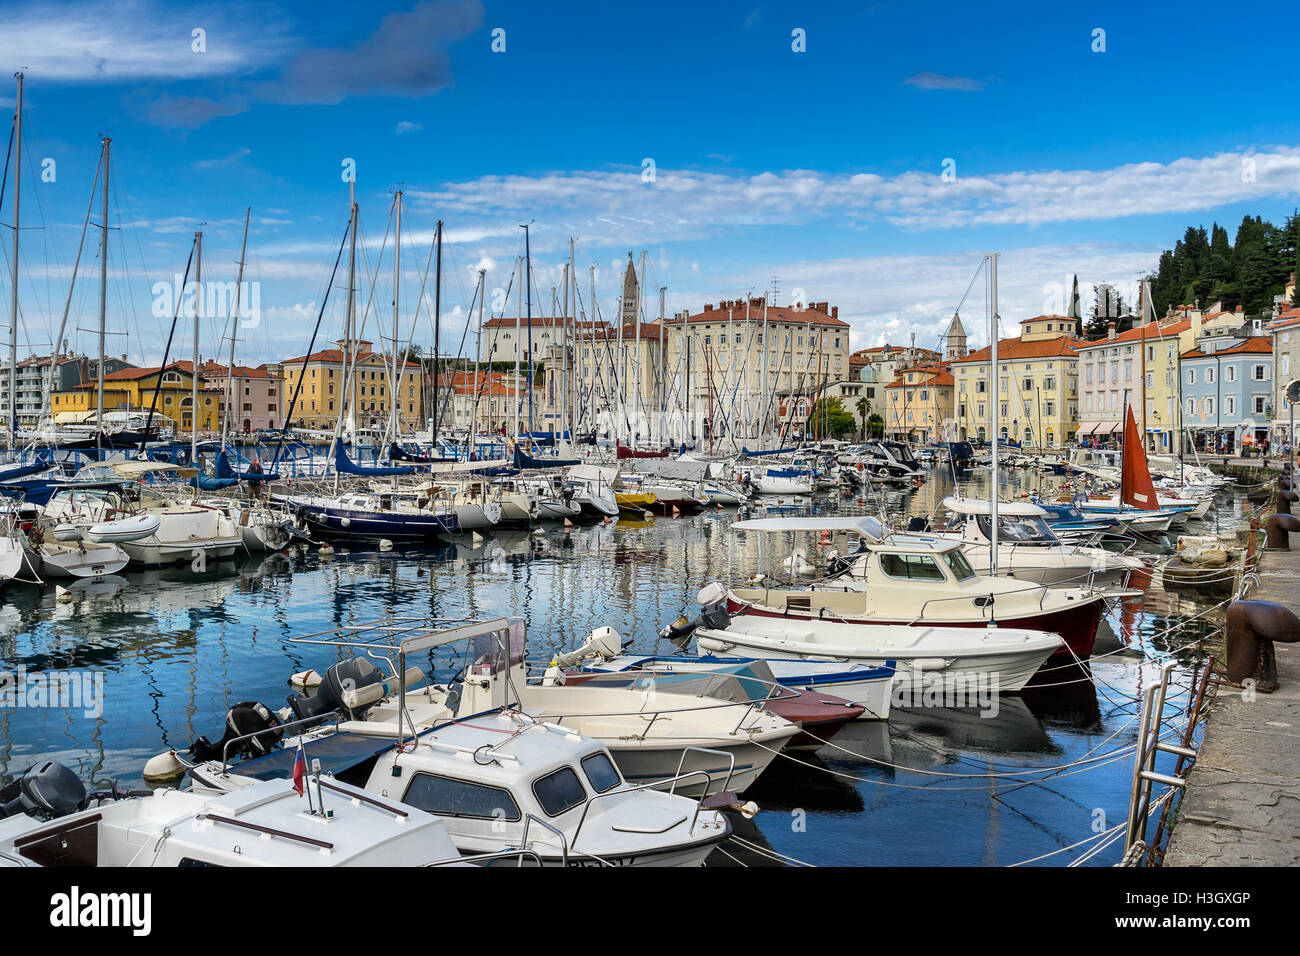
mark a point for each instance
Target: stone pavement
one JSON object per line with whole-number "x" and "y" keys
{"x": 1242, "y": 803}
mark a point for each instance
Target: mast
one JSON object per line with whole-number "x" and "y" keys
{"x": 572, "y": 311}
{"x": 636, "y": 362}
{"x": 103, "y": 306}
{"x": 478, "y": 389}
{"x": 13, "y": 290}
{"x": 348, "y": 387}
{"x": 528, "y": 295}
{"x": 997, "y": 396}
{"x": 437, "y": 330}
{"x": 194, "y": 377}
{"x": 234, "y": 331}
{"x": 397, "y": 291}
{"x": 519, "y": 311}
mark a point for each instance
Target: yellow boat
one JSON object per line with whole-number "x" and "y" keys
{"x": 634, "y": 501}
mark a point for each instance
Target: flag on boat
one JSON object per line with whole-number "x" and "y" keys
{"x": 299, "y": 769}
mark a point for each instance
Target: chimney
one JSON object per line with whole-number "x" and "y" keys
{"x": 1196, "y": 325}
{"x": 1110, "y": 330}
{"x": 708, "y": 306}
{"x": 835, "y": 312}
{"x": 1238, "y": 309}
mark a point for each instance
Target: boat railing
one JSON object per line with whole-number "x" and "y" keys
{"x": 317, "y": 721}
{"x": 531, "y": 818}
{"x": 12, "y": 860}
{"x": 672, "y": 781}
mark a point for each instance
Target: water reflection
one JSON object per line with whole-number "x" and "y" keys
{"x": 933, "y": 786}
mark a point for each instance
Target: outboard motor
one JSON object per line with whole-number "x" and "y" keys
{"x": 243, "y": 719}
{"x": 46, "y": 791}
{"x": 918, "y": 523}
{"x": 350, "y": 675}
{"x": 713, "y": 615}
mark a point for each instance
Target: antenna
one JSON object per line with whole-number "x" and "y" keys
{"x": 775, "y": 289}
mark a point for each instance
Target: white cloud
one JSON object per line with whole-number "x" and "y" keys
{"x": 130, "y": 40}
{"x": 690, "y": 204}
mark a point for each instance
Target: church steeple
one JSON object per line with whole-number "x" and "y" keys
{"x": 955, "y": 340}
{"x": 631, "y": 294}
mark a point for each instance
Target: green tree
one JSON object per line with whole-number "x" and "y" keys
{"x": 829, "y": 417}
{"x": 863, "y": 406}
{"x": 875, "y": 426}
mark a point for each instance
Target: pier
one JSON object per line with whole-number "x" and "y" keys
{"x": 1242, "y": 802}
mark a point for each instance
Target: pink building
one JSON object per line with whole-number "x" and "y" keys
{"x": 258, "y": 395}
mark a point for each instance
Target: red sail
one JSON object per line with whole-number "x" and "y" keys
{"x": 1135, "y": 487}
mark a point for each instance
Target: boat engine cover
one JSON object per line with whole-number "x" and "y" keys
{"x": 248, "y": 717}
{"x": 46, "y": 790}
{"x": 352, "y": 674}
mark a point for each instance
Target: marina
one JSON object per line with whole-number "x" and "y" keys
{"x": 485, "y": 438}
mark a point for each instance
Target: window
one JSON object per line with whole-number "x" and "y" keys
{"x": 961, "y": 568}
{"x": 1209, "y": 375}
{"x": 1191, "y": 376}
{"x": 601, "y": 774}
{"x": 1230, "y": 405}
{"x": 1261, "y": 372}
{"x": 1231, "y": 372}
{"x": 446, "y": 797}
{"x": 559, "y": 791}
{"x": 981, "y": 386}
{"x": 1191, "y": 406}
{"x": 1259, "y": 404}
{"x": 1209, "y": 406}
{"x": 916, "y": 567}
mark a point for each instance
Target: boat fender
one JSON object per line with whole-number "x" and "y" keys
{"x": 345, "y": 522}
{"x": 165, "y": 766}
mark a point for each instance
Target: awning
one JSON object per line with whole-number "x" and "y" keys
{"x": 1080, "y": 433}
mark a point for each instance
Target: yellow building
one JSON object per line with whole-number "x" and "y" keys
{"x": 1037, "y": 389}
{"x": 168, "y": 391}
{"x": 321, "y": 377}
{"x": 918, "y": 404}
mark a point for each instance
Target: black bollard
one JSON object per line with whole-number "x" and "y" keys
{"x": 1252, "y": 628}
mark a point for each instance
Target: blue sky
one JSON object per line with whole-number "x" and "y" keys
{"x": 821, "y": 168}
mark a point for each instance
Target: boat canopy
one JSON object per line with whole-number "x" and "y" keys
{"x": 864, "y": 525}
{"x": 981, "y": 506}
{"x": 132, "y": 470}
{"x": 346, "y": 466}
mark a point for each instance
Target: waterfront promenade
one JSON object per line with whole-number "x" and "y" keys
{"x": 1242, "y": 805}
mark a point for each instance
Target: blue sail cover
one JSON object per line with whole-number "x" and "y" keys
{"x": 204, "y": 483}
{"x": 524, "y": 460}
{"x": 346, "y": 466}
{"x": 40, "y": 464}
{"x": 775, "y": 451}
{"x": 225, "y": 470}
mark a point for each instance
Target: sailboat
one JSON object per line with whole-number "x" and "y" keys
{"x": 1137, "y": 506}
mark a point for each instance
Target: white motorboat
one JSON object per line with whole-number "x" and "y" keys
{"x": 499, "y": 778}
{"x": 998, "y": 658}
{"x": 653, "y": 737}
{"x": 917, "y": 580}
{"x": 1028, "y": 550}
{"x": 80, "y": 559}
{"x": 48, "y": 819}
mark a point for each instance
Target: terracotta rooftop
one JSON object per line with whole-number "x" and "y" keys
{"x": 1256, "y": 344}
{"x": 1013, "y": 349}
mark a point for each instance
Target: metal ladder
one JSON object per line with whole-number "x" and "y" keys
{"x": 1148, "y": 746}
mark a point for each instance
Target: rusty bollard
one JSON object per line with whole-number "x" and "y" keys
{"x": 1277, "y": 527}
{"x": 1252, "y": 628}
{"x": 1282, "y": 501}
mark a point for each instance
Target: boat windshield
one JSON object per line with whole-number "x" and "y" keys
{"x": 915, "y": 567}
{"x": 1018, "y": 529}
{"x": 961, "y": 568}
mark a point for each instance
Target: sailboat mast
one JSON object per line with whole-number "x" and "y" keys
{"x": 231, "y": 389}
{"x": 194, "y": 377}
{"x": 103, "y": 305}
{"x": 528, "y": 296}
{"x": 13, "y": 290}
{"x": 997, "y": 395}
{"x": 437, "y": 330}
{"x": 478, "y": 389}
{"x": 397, "y": 288}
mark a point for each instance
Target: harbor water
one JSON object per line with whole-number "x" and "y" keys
{"x": 161, "y": 655}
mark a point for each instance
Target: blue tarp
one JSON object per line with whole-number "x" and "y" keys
{"x": 523, "y": 460}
